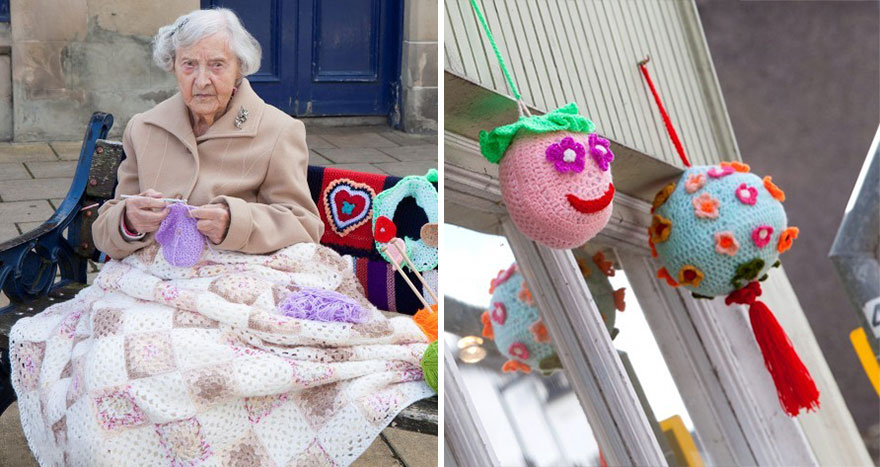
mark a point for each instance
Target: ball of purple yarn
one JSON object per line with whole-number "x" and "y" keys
{"x": 322, "y": 305}
{"x": 181, "y": 241}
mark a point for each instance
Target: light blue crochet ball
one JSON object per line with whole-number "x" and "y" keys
{"x": 516, "y": 325}
{"x": 719, "y": 228}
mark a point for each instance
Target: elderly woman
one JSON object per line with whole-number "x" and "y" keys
{"x": 264, "y": 350}
{"x": 215, "y": 144}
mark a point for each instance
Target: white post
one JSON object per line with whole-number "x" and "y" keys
{"x": 593, "y": 367}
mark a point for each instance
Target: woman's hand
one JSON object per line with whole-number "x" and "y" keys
{"x": 143, "y": 215}
{"x": 213, "y": 221}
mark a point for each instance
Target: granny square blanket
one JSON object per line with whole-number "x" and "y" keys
{"x": 163, "y": 365}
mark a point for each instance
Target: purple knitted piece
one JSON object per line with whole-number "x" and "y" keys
{"x": 322, "y": 305}
{"x": 181, "y": 241}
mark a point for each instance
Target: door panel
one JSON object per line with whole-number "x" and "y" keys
{"x": 325, "y": 57}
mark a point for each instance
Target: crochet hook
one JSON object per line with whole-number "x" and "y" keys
{"x": 167, "y": 200}
{"x": 413, "y": 268}
{"x": 412, "y": 286}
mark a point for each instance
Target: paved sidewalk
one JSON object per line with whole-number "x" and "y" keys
{"x": 35, "y": 177}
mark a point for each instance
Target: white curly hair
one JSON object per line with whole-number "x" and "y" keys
{"x": 195, "y": 26}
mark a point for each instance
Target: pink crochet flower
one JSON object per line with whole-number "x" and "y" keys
{"x": 498, "y": 313}
{"x": 747, "y": 194}
{"x": 716, "y": 172}
{"x": 519, "y": 350}
{"x": 600, "y": 149}
{"x": 761, "y": 235}
{"x": 695, "y": 182}
{"x": 725, "y": 243}
{"x": 567, "y": 155}
{"x": 705, "y": 206}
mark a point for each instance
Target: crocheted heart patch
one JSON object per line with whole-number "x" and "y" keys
{"x": 348, "y": 205}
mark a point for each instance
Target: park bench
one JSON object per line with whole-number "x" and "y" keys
{"x": 48, "y": 265}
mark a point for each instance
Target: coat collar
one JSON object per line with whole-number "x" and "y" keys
{"x": 172, "y": 115}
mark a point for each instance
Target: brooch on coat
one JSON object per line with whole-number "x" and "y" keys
{"x": 241, "y": 117}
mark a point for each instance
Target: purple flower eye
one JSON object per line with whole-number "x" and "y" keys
{"x": 567, "y": 155}
{"x": 600, "y": 149}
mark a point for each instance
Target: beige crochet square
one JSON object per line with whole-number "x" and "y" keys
{"x": 188, "y": 319}
{"x": 147, "y": 354}
{"x": 30, "y": 361}
{"x": 106, "y": 322}
{"x": 239, "y": 288}
{"x": 183, "y": 441}
{"x": 375, "y": 328}
{"x": 247, "y": 452}
{"x": 147, "y": 254}
{"x": 378, "y": 407}
{"x": 319, "y": 404}
{"x": 211, "y": 384}
{"x": 59, "y": 430}
{"x": 314, "y": 456}
{"x": 260, "y": 320}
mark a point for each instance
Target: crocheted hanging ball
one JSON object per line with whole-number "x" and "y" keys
{"x": 555, "y": 176}
{"x": 718, "y": 228}
{"x": 429, "y": 364}
{"x": 515, "y": 325}
{"x": 514, "y": 322}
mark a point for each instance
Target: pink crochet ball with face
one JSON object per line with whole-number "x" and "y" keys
{"x": 555, "y": 175}
{"x": 556, "y": 192}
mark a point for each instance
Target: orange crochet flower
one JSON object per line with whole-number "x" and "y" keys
{"x": 525, "y": 295}
{"x": 738, "y": 166}
{"x": 488, "y": 333}
{"x": 690, "y": 275}
{"x": 584, "y": 267}
{"x": 660, "y": 228}
{"x": 607, "y": 267}
{"x": 725, "y": 243}
{"x": 662, "y": 273}
{"x": 539, "y": 331}
{"x": 426, "y": 320}
{"x": 774, "y": 190}
{"x": 694, "y": 182}
{"x": 511, "y": 366}
{"x": 706, "y": 206}
{"x": 619, "y": 296}
{"x": 786, "y": 238}
{"x": 662, "y": 196}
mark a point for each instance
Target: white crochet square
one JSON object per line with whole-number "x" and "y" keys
{"x": 105, "y": 364}
{"x": 163, "y": 398}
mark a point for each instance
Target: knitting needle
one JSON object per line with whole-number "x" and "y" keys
{"x": 167, "y": 200}
{"x": 411, "y": 266}
{"x": 406, "y": 278}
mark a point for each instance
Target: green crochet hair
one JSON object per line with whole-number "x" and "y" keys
{"x": 494, "y": 143}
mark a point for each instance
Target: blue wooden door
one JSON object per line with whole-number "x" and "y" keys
{"x": 325, "y": 57}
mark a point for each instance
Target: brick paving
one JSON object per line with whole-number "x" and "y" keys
{"x": 35, "y": 177}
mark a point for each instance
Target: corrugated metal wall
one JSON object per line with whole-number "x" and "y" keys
{"x": 587, "y": 51}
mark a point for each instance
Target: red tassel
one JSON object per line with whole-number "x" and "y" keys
{"x": 794, "y": 385}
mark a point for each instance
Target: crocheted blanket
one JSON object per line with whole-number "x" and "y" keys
{"x": 159, "y": 365}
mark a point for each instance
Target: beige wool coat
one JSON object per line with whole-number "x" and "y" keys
{"x": 258, "y": 170}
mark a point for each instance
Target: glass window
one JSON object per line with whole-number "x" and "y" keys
{"x": 533, "y": 419}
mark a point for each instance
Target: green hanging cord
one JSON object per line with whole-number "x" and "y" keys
{"x": 497, "y": 53}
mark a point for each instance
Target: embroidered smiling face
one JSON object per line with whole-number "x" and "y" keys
{"x": 557, "y": 186}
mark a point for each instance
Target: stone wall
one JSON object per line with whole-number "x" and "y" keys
{"x": 419, "y": 68}
{"x": 75, "y": 57}
{"x": 5, "y": 83}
